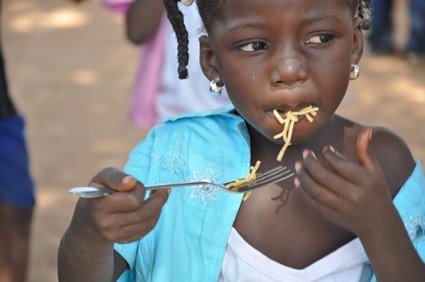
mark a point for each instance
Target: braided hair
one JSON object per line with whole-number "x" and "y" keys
{"x": 210, "y": 10}
{"x": 177, "y": 22}
{"x": 364, "y": 12}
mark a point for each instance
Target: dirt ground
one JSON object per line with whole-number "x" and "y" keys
{"x": 71, "y": 72}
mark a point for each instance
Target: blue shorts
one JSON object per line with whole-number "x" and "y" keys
{"x": 16, "y": 186}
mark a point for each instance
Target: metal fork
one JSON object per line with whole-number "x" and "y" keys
{"x": 273, "y": 175}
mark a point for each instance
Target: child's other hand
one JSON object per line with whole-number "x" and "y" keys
{"x": 123, "y": 216}
{"x": 353, "y": 195}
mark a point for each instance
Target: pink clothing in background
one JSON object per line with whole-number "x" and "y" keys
{"x": 143, "y": 106}
{"x": 142, "y": 109}
{"x": 120, "y": 6}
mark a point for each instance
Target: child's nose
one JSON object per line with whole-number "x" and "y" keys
{"x": 289, "y": 71}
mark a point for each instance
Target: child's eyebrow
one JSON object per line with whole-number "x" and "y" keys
{"x": 328, "y": 18}
{"x": 238, "y": 25}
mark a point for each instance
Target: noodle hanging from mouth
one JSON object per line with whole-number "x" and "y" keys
{"x": 288, "y": 125}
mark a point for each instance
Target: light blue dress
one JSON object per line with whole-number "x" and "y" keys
{"x": 189, "y": 240}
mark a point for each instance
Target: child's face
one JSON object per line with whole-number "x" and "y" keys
{"x": 285, "y": 55}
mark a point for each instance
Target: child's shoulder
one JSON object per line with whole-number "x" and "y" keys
{"x": 387, "y": 142}
{"x": 390, "y": 150}
{"x": 394, "y": 156}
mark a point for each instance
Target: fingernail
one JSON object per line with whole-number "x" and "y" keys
{"x": 127, "y": 179}
{"x": 369, "y": 134}
{"x": 333, "y": 150}
{"x": 298, "y": 167}
{"x": 306, "y": 152}
{"x": 297, "y": 183}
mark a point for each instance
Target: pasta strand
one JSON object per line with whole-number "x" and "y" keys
{"x": 289, "y": 123}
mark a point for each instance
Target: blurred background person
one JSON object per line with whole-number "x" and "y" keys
{"x": 416, "y": 43}
{"x": 381, "y": 38}
{"x": 16, "y": 187}
{"x": 158, "y": 92}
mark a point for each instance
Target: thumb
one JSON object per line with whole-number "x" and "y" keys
{"x": 365, "y": 153}
{"x": 115, "y": 179}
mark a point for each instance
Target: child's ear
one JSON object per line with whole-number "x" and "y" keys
{"x": 207, "y": 59}
{"x": 358, "y": 42}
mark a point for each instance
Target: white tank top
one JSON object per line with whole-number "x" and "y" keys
{"x": 242, "y": 262}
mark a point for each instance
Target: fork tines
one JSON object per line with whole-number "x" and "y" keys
{"x": 274, "y": 175}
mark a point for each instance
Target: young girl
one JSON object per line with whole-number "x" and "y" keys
{"x": 158, "y": 93}
{"x": 355, "y": 207}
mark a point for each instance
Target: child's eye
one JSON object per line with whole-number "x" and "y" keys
{"x": 320, "y": 39}
{"x": 254, "y": 46}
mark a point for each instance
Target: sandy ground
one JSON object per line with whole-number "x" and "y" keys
{"x": 71, "y": 74}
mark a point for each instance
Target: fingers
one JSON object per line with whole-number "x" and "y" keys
{"x": 140, "y": 222}
{"x": 138, "y": 211}
{"x": 318, "y": 196}
{"x": 344, "y": 189}
{"x": 115, "y": 179}
{"x": 322, "y": 176}
{"x": 341, "y": 165}
{"x": 365, "y": 154}
{"x": 349, "y": 169}
{"x": 126, "y": 217}
{"x": 312, "y": 178}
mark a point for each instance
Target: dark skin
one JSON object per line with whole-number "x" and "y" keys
{"x": 142, "y": 19}
{"x": 286, "y": 55}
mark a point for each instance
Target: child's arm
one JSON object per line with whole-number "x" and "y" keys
{"x": 356, "y": 197}
{"x": 143, "y": 18}
{"x": 86, "y": 249}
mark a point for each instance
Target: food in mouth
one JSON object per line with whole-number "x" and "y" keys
{"x": 288, "y": 122}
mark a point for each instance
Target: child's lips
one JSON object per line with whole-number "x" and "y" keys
{"x": 283, "y": 110}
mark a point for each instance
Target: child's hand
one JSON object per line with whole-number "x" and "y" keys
{"x": 123, "y": 216}
{"x": 353, "y": 195}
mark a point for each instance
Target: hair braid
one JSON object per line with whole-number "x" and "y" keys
{"x": 176, "y": 19}
{"x": 365, "y": 14}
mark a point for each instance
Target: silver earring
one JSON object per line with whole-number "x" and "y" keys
{"x": 187, "y": 2}
{"x": 214, "y": 88}
{"x": 355, "y": 72}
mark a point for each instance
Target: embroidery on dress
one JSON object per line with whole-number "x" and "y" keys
{"x": 176, "y": 166}
{"x": 207, "y": 192}
{"x": 415, "y": 227}
{"x": 165, "y": 165}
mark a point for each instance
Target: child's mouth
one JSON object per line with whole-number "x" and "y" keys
{"x": 288, "y": 120}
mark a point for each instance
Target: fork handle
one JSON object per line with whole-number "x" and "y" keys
{"x": 173, "y": 185}
{"x": 96, "y": 192}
